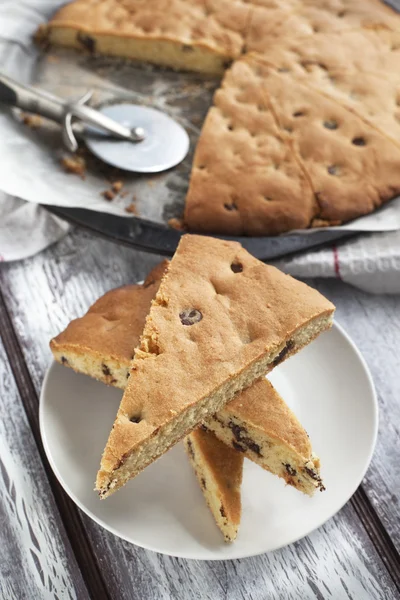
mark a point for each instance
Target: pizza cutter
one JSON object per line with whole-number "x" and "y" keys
{"x": 128, "y": 136}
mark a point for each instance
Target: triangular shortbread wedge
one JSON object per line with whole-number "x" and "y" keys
{"x": 219, "y": 470}
{"x": 271, "y": 26}
{"x": 259, "y": 424}
{"x": 337, "y": 149}
{"x": 357, "y": 69}
{"x": 244, "y": 179}
{"x": 195, "y": 35}
{"x": 221, "y": 319}
{"x": 101, "y": 343}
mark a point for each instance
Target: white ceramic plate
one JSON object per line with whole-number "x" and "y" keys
{"x": 328, "y": 386}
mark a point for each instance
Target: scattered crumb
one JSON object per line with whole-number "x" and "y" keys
{"x": 150, "y": 183}
{"x": 176, "y": 224}
{"x": 74, "y": 164}
{"x": 124, "y": 193}
{"x": 117, "y": 186}
{"x": 108, "y": 195}
{"x": 131, "y": 209}
{"x": 53, "y": 59}
{"x": 33, "y": 121}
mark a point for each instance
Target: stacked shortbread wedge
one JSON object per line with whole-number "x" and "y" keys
{"x": 305, "y": 128}
{"x": 217, "y": 321}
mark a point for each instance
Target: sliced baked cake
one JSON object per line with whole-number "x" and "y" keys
{"x": 195, "y": 35}
{"x": 259, "y": 424}
{"x": 102, "y": 342}
{"x": 219, "y": 470}
{"x": 221, "y": 319}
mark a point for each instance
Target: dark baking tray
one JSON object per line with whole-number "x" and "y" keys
{"x": 157, "y": 238}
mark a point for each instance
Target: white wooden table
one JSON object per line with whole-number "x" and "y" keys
{"x": 50, "y": 549}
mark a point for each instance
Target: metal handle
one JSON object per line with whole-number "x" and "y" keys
{"x": 31, "y": 100}
{"x": 42, "y": 103}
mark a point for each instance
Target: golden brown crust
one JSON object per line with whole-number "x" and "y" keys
{"x": 216, "y": 26}
{"x": 245, "y": 179}
{"x": 219, "y": 470}
{"x": 262, "y": 408}
{"x": 366, "y": 85}
{"x": 337, "y": 149}
{"x": 248, "y": 311}
{"x": 112, "y": 325}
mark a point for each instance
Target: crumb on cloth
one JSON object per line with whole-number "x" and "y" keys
{"x": 74, "y": 164}
{"x": 131, "y": 208}
{"x": 31, "y": 120}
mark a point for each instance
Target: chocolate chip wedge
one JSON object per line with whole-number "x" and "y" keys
{"x": 181, "y": 374}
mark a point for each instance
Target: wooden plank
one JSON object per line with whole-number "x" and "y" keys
{"x": 337, "y": 561}
{"x": 373, "y": 322}
{"x": 69, "y": 513}
{"x": 36, "y": 560}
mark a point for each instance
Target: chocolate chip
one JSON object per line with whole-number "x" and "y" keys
{"x": 289, "y": 469}
{"x": 237, "y": 430}
{"x": 252, "y": 446}
{"x": 222, "y": 511}
{"x": 237, "y": 267}
{"x": 127, "y": 375}
{"x": 87, "y": 41}
{"x": 203, "y": 483}
{"x": 186, "y": 48}
{"x": 299, "y": 113}
{"x": 64, "y": 360}
{"x": 231, "y": 206}
{"x": 330, "y": 124}
{"x": 190, "y": 448}
{"x": 204, "y": 428}
{"x": 332, "y": 170}
{"x": 359, "y": 141}
{"x": 283, "y": 70}
{"x": 239, "y": 433}
{"x": 238, "y": 447}
{"x": 316, "y": 478}
{"x": 135, "y": 419}
{"x": 312, "y": 474}
{"x": 106, "y": 370}
{"x": 190, "y": 316}
{"x": 289, "y": 346}
{"x": 113, "y": 381}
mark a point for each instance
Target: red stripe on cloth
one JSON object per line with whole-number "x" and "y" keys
{"x": 336, "y": 263}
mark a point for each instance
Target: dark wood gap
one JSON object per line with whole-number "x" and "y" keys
{"x": 377, "y": 534}
{"x": 69, "y": 512}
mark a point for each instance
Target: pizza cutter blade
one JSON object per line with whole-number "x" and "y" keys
{"x": 163, "y": 144}
{"x": 127, "y": 136}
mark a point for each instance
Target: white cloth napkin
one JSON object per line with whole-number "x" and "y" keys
{"x": 26, "y": 229}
